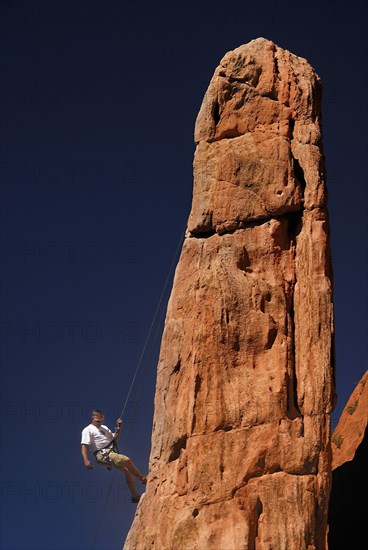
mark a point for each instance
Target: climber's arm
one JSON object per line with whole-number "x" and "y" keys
{"x": 87, "y": 462}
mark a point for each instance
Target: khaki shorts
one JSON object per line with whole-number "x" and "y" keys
{"x": 117, "y": 459}
{"x": 114, "y": 459}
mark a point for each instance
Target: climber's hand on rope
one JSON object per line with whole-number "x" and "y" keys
{"x": 118, "y": 428}
{"x": 89, "y": 465}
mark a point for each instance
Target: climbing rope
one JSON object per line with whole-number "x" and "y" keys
{"x": 136, "y": 373}
{"x": 152, "y": 324}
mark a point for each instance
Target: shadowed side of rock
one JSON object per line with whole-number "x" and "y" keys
{"x": 347, "y": 510}
{"x": 240, "y": 455}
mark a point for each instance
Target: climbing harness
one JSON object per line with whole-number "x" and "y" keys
{"x": 103, "y": 455}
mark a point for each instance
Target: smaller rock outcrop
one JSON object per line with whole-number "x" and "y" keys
{"x": 349, "y": 432}
{"x": 347, "y": 511}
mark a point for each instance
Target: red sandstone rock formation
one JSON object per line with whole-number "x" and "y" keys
{"x": 240, "y": 454}
{"x": 349, "y": 432}
{"x": 347, "y": 513}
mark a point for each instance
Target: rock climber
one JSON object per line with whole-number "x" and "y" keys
{"x": 99, "y": 439}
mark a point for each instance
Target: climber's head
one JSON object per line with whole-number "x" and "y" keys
{"x": 97, "y": 417}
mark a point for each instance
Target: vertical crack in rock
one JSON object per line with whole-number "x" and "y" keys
{"x": 177, "y": 366}
{"x": 273, "y": 94}
{"x": 295, "y": 222}
{"x": 291, "y": 123}
{"x": 177, "y": 447}
{"x": 216, "y": 113}
{"x": 197, "y": 387}
{"x": 299, "y": 174}
{"x": 259, "y": 509}
{"x": 245, "y": 379}
{"x": 292, "y": 385}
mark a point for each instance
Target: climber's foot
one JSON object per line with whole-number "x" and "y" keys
{"x": 136, "y": 498}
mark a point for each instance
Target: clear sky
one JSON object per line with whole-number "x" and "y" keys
{"x": 98, "y": 104}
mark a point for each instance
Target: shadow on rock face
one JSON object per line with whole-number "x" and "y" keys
{"x": 348, "y": 509}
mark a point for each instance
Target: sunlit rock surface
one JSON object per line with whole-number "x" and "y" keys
{"x": 349, "y": 432}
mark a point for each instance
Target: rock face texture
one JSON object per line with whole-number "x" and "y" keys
{"x": 348, "y": 512}
{"x": 240, "y": 454}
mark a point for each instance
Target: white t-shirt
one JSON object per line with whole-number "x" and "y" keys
{"x": 96, "y": 438}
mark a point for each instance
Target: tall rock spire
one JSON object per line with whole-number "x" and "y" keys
{"x": 240, "y": 454}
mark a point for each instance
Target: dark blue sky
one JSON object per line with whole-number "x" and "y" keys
{"x": 98, "y": 104}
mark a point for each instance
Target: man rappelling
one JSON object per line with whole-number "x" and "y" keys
{"x": 99, "y": 439}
